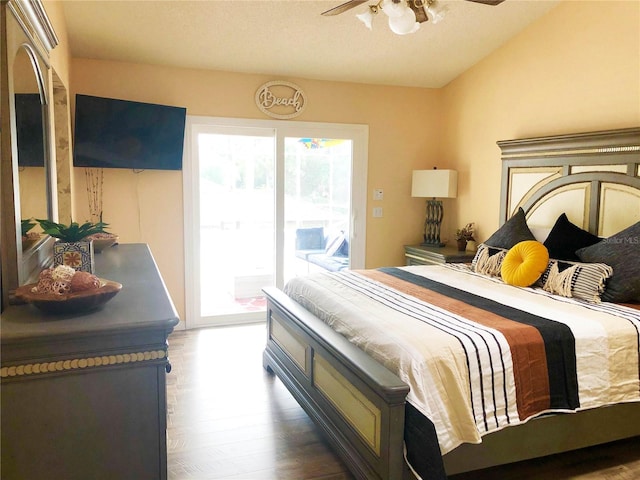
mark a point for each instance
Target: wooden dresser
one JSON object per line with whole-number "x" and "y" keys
{"x": 84, "y": 396}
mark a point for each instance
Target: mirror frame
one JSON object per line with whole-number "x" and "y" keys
{"x": 24, "y": 25}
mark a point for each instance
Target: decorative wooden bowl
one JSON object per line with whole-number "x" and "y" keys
{"x": 78, "y": 302}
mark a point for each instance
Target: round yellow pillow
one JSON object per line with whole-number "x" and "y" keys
{"x": 524, "y": 263}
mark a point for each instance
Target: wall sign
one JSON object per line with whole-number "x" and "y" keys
{"x": 280, "y": 99}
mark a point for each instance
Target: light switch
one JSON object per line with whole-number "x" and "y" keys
{"x": 377, "y": 212}
{"x": 378, "y": 194}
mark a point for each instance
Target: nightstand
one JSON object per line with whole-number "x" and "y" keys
{"x": 425, "y": 255}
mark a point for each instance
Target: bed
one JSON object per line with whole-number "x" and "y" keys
{"x": 349, "y": 356}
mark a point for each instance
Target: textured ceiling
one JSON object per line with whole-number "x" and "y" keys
{"x": 289, "y": 38}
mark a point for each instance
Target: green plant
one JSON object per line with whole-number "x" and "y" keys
{"x": 465, "y": 233}
{"x": 73, "y": 232}
{"x": 26, "y": 225}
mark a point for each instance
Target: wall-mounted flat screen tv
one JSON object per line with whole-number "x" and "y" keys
{"x": 29, "y": 130}
{"x": 111, "y": 133}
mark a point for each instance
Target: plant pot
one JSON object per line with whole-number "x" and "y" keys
{"x": 462, "y": 245}
{"x": 77, "y": 255}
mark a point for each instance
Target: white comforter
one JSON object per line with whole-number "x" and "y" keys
{"x": 471, "y": 370}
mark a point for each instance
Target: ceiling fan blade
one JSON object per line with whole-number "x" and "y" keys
{"x": 487, "y": 2}
{"x": 343, "y": 8}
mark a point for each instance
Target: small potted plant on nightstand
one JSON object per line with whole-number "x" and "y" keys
{"x": 464, "y": 235}
{"x": 72, "y": 249}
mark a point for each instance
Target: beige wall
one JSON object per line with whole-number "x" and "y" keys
{"x": 60, "y": 111}
{"x": 404, "y": 128}
{"x": 577, "y": 69}
{"x": 60, "y": 56}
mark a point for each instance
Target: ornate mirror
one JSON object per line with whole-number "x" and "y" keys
{"x": 27, "y": 168}
{"x": 30, "y": 103}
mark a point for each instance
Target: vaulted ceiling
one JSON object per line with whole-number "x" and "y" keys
{"x": 290, "y": 38}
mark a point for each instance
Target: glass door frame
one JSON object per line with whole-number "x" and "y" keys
{"x": 359, "y": 134}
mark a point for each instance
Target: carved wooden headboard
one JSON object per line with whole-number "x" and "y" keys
{"x": 592, "y": 177}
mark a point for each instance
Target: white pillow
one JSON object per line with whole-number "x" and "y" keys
{"x": 334, "y": 245}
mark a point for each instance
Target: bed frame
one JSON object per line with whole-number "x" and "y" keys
{"x": 359, "y": 404}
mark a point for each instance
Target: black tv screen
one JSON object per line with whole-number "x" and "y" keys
{"x": 29, "y": 130}
{"x": 111, "y": 133}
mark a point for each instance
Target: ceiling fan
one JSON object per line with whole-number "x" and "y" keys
{"x": 405, "y": 16}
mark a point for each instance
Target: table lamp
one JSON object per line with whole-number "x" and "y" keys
{"x": 434, "y": 184}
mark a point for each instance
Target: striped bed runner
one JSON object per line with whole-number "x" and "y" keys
{"x": 480, "y": 355}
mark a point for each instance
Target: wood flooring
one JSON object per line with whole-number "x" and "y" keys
{"x": 230, "y": 419}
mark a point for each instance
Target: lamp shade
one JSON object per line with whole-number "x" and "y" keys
{"x": 434, "y": 183}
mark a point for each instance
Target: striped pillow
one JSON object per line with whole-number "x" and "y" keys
{"x": 488, "y": 260}
{"x": 585, "y": 281}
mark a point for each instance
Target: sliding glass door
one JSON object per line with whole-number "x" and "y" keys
{"x": 317, "y": 204}
{"x": 236, "y": 255}
{"x": 265, "y": 201}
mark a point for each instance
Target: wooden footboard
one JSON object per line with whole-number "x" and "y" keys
{"x": 357, "y": 402}
{"x": 360, "y": 405}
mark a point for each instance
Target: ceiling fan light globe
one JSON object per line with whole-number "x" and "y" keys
{"x": 435, "y": 12}
{"x": 416, "y": 27}
{"x": 404, "y": 24}
{"x": 366, "y": 18}
{"x": 394, "y": 10}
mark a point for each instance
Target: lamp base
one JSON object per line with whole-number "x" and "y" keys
{"x": 432, "y": 222}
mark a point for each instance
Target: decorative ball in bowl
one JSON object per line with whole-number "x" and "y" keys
{"x": 63, "y": 290}
{"x": 102, "y": 240}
